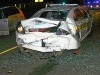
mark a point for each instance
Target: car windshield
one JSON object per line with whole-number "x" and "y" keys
{"x": 55, "y": 14}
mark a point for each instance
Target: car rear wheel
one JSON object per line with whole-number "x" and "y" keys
{"x": 91, "y": 31}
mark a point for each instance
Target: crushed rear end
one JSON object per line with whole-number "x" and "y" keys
{"x": 45, "y": 35}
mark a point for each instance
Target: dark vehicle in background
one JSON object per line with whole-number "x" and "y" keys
{"x": 9, "y": 17}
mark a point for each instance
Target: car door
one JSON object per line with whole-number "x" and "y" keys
{"x": 89, "y": 24}
{"x": 12, "y": 17}
{"x": 88, "y": 20}
{"x": 81, "y": 24}
{"x": 4, "y": 30}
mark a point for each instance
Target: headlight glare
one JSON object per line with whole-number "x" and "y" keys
{"x": 20, "y": 29}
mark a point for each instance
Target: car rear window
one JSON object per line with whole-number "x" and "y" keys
{"x": 61, "y": 15}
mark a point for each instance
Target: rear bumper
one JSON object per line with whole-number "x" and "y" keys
{"x": 53, "y": 43}
{"x": 41, "y": 49}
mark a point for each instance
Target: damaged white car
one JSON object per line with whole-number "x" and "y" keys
{"x": 53, "y": 29}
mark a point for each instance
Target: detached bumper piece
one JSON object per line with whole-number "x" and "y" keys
{"x": 43, "y": 43}
{"x": 42, "y": 49}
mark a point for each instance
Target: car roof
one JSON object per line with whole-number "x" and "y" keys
{"x": 6, "y": 7}
{"x": 55, "y": 8}
{"x": 59, "y": 7}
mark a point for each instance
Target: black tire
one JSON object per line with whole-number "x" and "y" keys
{"x": 92, "y": 31}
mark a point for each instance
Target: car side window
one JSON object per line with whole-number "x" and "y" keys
{"x": 77, "y": 15}
{"x": 12, "y": 11}
{"x": 83, "y": 13}
{"x": 5, "y": 11}
{"x": 2, "y": 14}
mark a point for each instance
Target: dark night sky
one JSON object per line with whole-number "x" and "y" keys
{"x": 66, "y": 1}
{"x": 14, "y": 1}
{"x": 5, "y": 2}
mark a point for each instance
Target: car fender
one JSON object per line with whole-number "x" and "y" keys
{"x": 74, "y": 42}
{"x": 64, "y": 25}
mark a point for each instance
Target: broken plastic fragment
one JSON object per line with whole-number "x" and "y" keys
{"x": 9, "y": 71}
{"x": 77, "y": 52}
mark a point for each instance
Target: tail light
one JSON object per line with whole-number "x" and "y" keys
{"x": 38, "y": 30}
{"x": 33, "y": 30}
{"x": 41, "y": 29}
